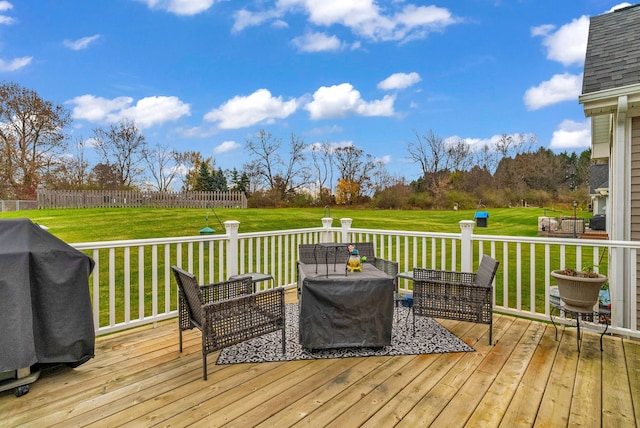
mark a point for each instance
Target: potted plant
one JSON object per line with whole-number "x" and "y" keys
{"x": 579, "y": 290}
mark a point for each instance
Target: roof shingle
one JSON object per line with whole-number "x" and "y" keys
{"x": 613, "y": 50}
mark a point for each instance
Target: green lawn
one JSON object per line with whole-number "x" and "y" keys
{"x": 94, "y": 225}
{"x": 107, "y": 224}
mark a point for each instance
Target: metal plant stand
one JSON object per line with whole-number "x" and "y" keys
{"x": 602, "y": 316}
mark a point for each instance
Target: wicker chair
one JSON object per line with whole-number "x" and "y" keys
{"x": 227, "y": 312}
{"x": 461, "y": 296}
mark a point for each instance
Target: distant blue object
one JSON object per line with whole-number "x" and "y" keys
{"x": 481, "y": 218}
{"x": 605, "y": 299}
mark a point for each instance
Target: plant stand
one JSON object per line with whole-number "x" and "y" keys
{"x": 603, "y": 314}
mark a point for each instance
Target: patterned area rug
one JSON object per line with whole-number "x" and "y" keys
{"x": 430, "y": 338}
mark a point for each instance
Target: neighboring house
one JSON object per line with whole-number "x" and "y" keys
{"x": 611, "y": 98}
{"x": 599, "y": 188}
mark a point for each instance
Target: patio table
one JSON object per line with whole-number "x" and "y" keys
{"x": 344, "y": 311}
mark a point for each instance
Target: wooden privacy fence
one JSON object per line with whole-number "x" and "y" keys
{"x": 137, "y": 199}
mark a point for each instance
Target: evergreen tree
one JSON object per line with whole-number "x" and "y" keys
{"x": 218, "y": 181}
{"x": 204, "y": 178}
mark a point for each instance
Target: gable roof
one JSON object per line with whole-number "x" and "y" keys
{"x": 613, "y": 50}
{"x": 598, "y": 177}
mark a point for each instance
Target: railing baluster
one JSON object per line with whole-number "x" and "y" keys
{"x": 276, "y": 253}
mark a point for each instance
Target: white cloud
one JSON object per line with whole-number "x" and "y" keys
{"x": 96, "y": 109}
{"x": 317, "y": 42}
{"x": 342, "y": 100}
{"x": 90, "y": 142}
{"x": 15, "y": 64}
{"x": 619, "y": 6}
{"x": 151, "y": 111}
{"x": 245, "y": 18}
{"x": 386, "y": 159}
{"x": 561, "y": 87}
{"x": 571, "y": 135}
{"x": 145, "y": 113}
{"x": 225, "y": 147}
{"x": 261, "y": 106}
{"x": 180, "y": 7}
{"x": 542, "y": 30}
{"x": 363, "y": 17}
{"x": 399, "y": 81}
{"x": 567, "y": 45}
{"x": 477, "y": 144}
{"x": 4, "y": 19}
{"x": 82, "y": 43}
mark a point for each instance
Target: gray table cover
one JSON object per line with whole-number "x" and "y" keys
{"x": 344, "y": 311}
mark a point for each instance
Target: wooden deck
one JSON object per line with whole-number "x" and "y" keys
{"x": 138, "y": 378}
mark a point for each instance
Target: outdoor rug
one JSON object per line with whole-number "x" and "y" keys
{"x": 430, "y": 338}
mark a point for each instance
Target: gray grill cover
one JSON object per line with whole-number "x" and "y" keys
{"x": 45, "y": 308}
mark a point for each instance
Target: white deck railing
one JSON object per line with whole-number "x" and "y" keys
{"x": 131, "y": 283}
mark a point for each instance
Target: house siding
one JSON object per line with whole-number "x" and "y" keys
{"x": 635, "y": 196}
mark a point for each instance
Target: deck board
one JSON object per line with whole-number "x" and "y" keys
{"x": 632, "y": 357}
{"x": 494, "y": 403}
{"x": 523, "y": 408}
{"x": 526, "y": 378}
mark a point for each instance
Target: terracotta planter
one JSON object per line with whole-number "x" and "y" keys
{"x": 579, "y": 294}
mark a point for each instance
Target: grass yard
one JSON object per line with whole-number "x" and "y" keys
{"x": 108, "y": 224}
{"x": 94, "y": 225}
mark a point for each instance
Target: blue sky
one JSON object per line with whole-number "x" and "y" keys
{"x": 205, "y": 75}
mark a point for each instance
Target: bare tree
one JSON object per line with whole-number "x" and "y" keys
{"x": 266, "y": 160}
{"x": 164, "y": 165}
{"x": 121, "y": 146}
{"x": 31, "y": 138}
{"x": 487, "y": 158}
{"x": 296, "y": 173}
{"x": 355, "y": 168}
{"x": 430, "y": 152}
{"x": 79, "y": 166}
{"x": 70, "y": 171}
{"x": 269, "y": 168}
{"x": 438, "y": 159}
{"x": 510, "y": 145}
{"x": 381, "y": 179}
{"x": 459, "y": 155}
{"x": 322, "y": 155}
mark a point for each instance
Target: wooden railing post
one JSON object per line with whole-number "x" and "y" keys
{"x": 346, "y": 225}
{"x": 232, "y": 227}
{"x": 466, "y": 245}
{"x": 326, "y": 234}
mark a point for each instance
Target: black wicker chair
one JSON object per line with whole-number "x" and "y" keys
{"x": 227, "y": 312}
{"x": 461, "y": 296}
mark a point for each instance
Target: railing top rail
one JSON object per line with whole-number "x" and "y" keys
{"x": 284, "y": 232}
{"x": 558, "y": 241}
{"x": 405, "y": 232}
{"x": 148, "y": 241}
{"x": 193, "y": 238}
{"x": 496, "y": 238}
